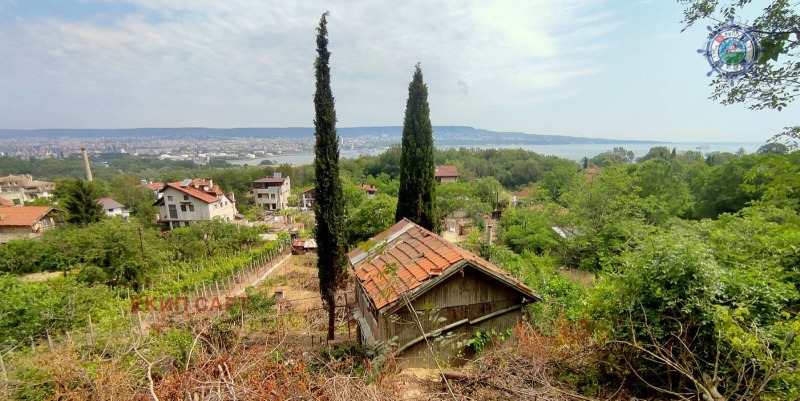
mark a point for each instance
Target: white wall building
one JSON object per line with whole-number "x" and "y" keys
{"x": 22, "y": 188}
{"x": 189, "y": 201}
{"x": 113, "y": 208}
{"x": 272, "y": 192}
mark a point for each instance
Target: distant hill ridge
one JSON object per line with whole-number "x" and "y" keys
{"x": 443, "y": 134}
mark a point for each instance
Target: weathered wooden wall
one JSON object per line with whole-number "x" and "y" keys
{"x": 469, "y": 294}
{"x": 418, "y": 355}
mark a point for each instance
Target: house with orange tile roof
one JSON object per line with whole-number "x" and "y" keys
{"x": 445, "y": 174}
{"x": 369, "y": 189}
{"x": 192, "y": 200}
{"x": 590, "y": 173}
{"x": 155, "y": 187}
{"x": 412, "y": 286}
{"x": 27, "y": 221}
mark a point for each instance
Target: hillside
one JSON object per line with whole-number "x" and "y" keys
{"x": 444, "y": 135}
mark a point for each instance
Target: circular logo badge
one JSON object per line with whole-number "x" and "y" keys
{"x": 731, "y": 50}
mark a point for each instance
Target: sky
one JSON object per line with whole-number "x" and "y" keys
{"x": 618, "y": 69}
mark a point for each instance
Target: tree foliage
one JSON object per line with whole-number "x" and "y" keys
{"x": 417, "y": 198}
{"x": 776, "y": 79}
{"x": 373, "y": 216}
{"x": 80, "y": 202}
{"x": 329, "y": 205}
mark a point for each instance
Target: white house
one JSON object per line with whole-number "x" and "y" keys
{"x": 272, "y": 192}
{"x": 307, "y": 198}
{"x": 189, "y": 201}
{"x": 113, "y": 208}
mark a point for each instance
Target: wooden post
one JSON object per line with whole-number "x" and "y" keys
{"x": 5, "y": 375}
{"x": 139, "y": 321}
{"x": 141, "y": 244}
{"x": 33, "y": 346}
{"x": 204, "y": 289}
{"x": 347, "y": 318}
{"x": 91, "y": 330}
{"x": 216, "y": 284}
{"x": 49, "y": 341}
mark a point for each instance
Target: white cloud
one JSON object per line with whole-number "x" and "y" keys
{"x": 249, "y": 62}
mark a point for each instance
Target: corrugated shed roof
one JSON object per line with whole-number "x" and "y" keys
{"x": 446, "y": 171}
{"x": 406, "y": 256}
{"x": 22, "y": 216}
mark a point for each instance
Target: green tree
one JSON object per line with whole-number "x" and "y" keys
{"x": 662, "y": 186}
{"x": 374, "y": 216}
{"x": 81, "y": 204}
{"x": 554, "y": 181}
{"x": 686, "y": 314}
{"x": 417, "y": 197}
{"x": 776, "y": 79}
{"x": 656, "y": 152}
{"x": 329, "y": 205}
{"x": 619, "y": 155}
{"x": 776, "y": 148}
{"x": 454, "y": 196}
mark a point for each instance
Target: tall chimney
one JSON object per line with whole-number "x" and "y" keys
{"x": 86, "y": 164}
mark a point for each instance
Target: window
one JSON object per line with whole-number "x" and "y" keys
{"x": 169, "y": 197}
{"x": 183, "y": 208}
{"x": 173, "y": 212}
{"x": 191, "y": 208}
{"x": 185, "y": 197}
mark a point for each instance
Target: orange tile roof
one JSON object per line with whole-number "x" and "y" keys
{"x": 524, "y": 193}
{"x": 6, "y": 202}
{"x": 155, "y": 186}
{"x": 406, "y": 256}
{"x": 590, "y": 172}
{"x": 368, "y": 188}
{"x": 206, "y": 196}
{"x": 446, "y": 171}
{"x": 22, "y": 216}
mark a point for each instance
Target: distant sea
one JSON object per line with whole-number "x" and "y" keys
{"x": 574, "y": 152}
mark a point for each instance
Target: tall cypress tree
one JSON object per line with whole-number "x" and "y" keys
{"x": 329, "y": 206}
{"x": 416, "y": 200}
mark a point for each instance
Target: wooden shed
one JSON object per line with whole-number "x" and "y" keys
{"x": 408, "y": 277}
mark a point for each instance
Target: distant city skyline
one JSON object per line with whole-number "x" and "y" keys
{"x": 589, "y": 68}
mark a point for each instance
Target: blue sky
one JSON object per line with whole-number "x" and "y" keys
{"x": 614, "y": 69}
